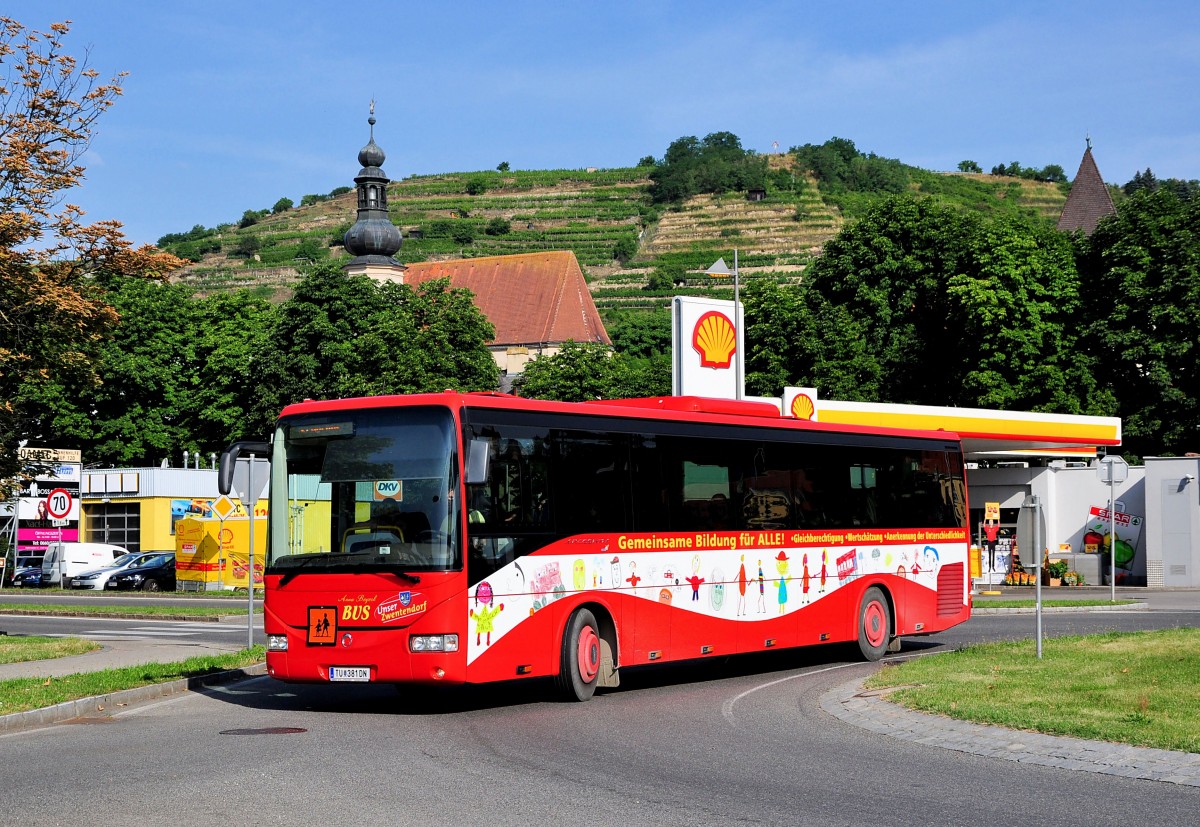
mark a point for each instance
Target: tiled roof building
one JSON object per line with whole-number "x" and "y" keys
{"x": 537, "y": 301}
{"x": 1089, "y": 200}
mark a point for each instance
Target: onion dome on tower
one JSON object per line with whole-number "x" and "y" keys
{"x": 373, "y": 240}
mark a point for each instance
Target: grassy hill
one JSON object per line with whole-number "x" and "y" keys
{"x": 604, "y": 215}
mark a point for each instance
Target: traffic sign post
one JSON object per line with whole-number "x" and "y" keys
{"x": 1113, "y": 469}
{"x": 249, "y": 479}
{"x": 58, "y": 503}
{"x": 1031, "y": 533}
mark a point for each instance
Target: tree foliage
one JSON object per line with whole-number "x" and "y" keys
{"x": 341, "y": 336}
{"x": 583, "y": 371}
{"x": 715, "y": 164}
{"x": 54, "y": 311}
{"x": 918, "y": 303}
{"x": 840, "y": 166}
{"x": 1142, "y": 271}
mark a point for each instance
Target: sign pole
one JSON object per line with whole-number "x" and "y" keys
{"x": 738, "y": 333}
{"x": 1037, "y": 553}
{"x": 250, "y": 507}
{"x": 1112, "y": 536}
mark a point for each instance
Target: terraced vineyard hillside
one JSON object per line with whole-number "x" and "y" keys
{"x": 603, "y": 215}
{"x": 594, "y": 213}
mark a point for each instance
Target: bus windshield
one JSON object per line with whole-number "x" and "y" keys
{"x": 365, "y": 490}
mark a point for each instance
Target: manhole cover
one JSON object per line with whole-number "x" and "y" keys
{"x": 268, "y": 730}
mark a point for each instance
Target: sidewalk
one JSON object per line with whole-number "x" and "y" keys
{"x": 871, "y": 711}
{"x": 113, "y": 654}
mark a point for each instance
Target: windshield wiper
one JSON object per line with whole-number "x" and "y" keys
{"x": 307, "y": 561}
{"x": 296, "y": 568}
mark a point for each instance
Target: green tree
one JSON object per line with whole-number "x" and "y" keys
{"x": 232, "y": 330}
{"x": 338, "y": 336}
{"x": 139, "y": 411}
{"x": 918, "y": 303}
{"x": 1142, "y": 268}
{"x": 502, "y": 166}
{"x": 246, "y": 245}
{"x": 580, "y": 371}
{"x": 641, "y": 334}
{"x": 969, "y": 166}
{"x": 716, "y": 164}
{"x": 647, "y": 161}
{"x": 282, "y": 205}
{"x": 498, "y": 226}
{"x": 625, "y": 249}
{"x": 476, "y": 186}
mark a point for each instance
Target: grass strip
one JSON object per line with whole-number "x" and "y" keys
{"x": 1135, "y": 688}
{"x": 19, "y": 649}
{"x": 1029, "y": 603}
{"x": 149, "y": 610}
{"x": 22, "y": 694}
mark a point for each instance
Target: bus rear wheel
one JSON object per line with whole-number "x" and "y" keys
{"x": 579, "y": 668}
{"x": 874, "y": 624}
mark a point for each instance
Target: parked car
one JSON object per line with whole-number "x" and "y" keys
{"x": 28, "y": 576}
{"x": 97, "y": 578}
{"x": 65, "y": 560}
{"x": 19, "y": 565}
{"x": 154, "y": 575}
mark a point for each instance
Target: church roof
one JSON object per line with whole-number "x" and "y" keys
{"x": 531, "y": 298}
{"x": 1089, "y": 200}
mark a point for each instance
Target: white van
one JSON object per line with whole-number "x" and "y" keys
{"x": 65, "y": 560}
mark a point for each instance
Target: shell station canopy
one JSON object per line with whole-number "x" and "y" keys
{"x": 985, "y": 433}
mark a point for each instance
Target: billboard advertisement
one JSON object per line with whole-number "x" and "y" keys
{"x": 48, "y": 506}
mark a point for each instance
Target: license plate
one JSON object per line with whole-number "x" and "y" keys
{"x": 350, "y": 673}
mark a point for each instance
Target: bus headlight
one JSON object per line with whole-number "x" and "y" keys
{"x": 433, "y": 643}
{"x": 277, "y": 643}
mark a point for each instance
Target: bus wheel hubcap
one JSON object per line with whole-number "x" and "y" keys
{"x": 589, "y": 654}
{"x": 873, "y": 620}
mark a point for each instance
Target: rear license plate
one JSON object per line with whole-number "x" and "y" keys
{"x": 350, "y": 673}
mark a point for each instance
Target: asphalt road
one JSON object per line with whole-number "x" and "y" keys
{"x": 741, "y": 741}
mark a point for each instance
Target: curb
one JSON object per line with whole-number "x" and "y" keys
{"x": 981, "y": 609}
{"x": 89, "y": 707}
{"x": 16, "y": 610}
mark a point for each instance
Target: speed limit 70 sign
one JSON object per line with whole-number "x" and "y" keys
{"x": 58, "y": 503}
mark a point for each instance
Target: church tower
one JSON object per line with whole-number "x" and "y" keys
{"x": 1089, "y": 200}
{"x": 373, "y": 240}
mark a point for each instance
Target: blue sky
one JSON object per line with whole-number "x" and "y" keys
{"x": 231, "y": 105}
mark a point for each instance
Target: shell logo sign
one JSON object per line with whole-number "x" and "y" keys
{"x": 715, "y": 340}
{"x": 803, "y": 407}
{"x": 707, "y": 347}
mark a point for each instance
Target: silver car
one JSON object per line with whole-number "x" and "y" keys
{"x": 96, "y": 579}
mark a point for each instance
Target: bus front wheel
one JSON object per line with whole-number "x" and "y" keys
{"x": 874, "y": 624}
{"x": 579, "y": 668}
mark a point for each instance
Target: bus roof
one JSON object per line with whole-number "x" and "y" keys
{"x": 657, "y": 408}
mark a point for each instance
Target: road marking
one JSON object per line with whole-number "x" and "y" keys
{"x": 727, "y": 707}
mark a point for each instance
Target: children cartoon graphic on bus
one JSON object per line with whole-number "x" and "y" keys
{"x": 695, "y": 580}
{"x": 485, "y": 614}
{"x": 742, "y": 580}
{"x": 781, "y": 565}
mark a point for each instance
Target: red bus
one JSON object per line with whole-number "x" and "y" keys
{"x": 466, "y": 538}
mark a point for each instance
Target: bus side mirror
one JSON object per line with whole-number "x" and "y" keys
{"x": 478, "y": 454}
{"x": 229, "y": 459}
